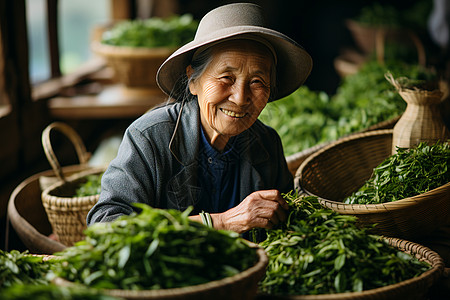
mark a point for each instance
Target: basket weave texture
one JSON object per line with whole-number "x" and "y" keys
{"x": 134, "y": 67}
{"x": 66, "y": 213}
{"x": 242, "y": 286}
{"x": 414, "y": 288}
{"x": 422, "y": 120}
{"x": 341, "y": 168}
{"x": 295, "y": 160}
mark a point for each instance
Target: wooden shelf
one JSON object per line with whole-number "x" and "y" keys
{"x": 115, "y": 101}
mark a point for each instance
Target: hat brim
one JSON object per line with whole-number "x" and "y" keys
{"x": 294, "y": 64}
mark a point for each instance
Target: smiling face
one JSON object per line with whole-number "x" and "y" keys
{"x": 233, "y": 89}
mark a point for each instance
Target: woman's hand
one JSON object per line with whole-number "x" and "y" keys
{"x": 261, "y": 209}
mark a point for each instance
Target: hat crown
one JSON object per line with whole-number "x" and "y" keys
{"x": 232, "y": 15}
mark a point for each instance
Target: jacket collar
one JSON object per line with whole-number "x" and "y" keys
{"x": 185, "y": 140}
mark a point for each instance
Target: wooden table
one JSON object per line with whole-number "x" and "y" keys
{"x": 114, "y": 101}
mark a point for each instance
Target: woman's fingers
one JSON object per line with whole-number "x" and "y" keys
{"x": 261, "y": 209}
{"x": 273, "y": 195}
{"x": 268, "y": 204}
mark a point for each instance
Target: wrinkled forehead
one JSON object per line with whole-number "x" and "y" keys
{"x": 249, "y": 53}
{"x": 245, "y": 45}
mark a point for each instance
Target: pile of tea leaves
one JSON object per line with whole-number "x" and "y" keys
{"x": 22, "y": 268}
{"x": 154, "y": 32}
{"x": 306, "y": 118}
{"x": 90, "y": 186}
{"x": 154, "y": 249}
{"x": 319, "y": 251}
{"x": 52, "y": 292}
{"x": 407, "y": 173}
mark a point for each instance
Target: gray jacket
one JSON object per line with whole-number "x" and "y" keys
{"x": 157, "y": 163}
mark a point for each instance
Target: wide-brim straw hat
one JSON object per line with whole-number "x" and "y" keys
{"x": 238, "y": 21}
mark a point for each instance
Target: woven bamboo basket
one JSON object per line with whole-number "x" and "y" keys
{"x": 134, "y": 67}
{"x": 295, "y": 160}
{"x": 242, "y": 286}
{"x": 422, "y": 120}
{"x": 341, "y": 168}
{"x": 67, "y": 213}
{"x": 414, "y": 288}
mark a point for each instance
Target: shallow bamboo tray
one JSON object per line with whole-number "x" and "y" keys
{"x": 341, "y": 168}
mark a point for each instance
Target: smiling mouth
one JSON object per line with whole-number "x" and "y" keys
{"x": 232, "y": 113}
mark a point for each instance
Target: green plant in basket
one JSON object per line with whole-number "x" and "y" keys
{"x": 52, "y": 292}
{"x": 22, "y": 268}
{"x": 306, "y": 117}
{"x": 389, "y": 16}
{"x": 151, "y": 33}
{"x": 91, "y": 185}
{"x": 154, "y": 249}
{"x": 379, "y": 15}
{"x": 407, "y": 173}
{"x": 319, "y": 251}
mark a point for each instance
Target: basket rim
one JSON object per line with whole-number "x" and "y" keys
{"x": 359, "y": 209}
{"x": 428, "y": 276}
{"x": 259, "y": 266}
{"x": 130, "y": 52}
{"x": 338, "y": 142}
{"x": 47, "y": 197}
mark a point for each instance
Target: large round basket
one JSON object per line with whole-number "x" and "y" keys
{"x": 242, "y": 286}
{"x": 341, "y": 168}
{"x": 414, "y": 288}
{"x": 295, "y": 160}
{"x": 27, "y": 214}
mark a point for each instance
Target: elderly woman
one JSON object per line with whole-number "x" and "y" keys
{"x": 208, "y": 149}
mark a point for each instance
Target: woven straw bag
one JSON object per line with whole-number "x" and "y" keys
{"x": 241, "y": 286}
{"x": 422, "y": 120}
{"x": 66, "y": 213}
{"x": 341, "y": 168}
{"x": 414, "y": 288}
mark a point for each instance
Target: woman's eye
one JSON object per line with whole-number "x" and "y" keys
{"x": 258, "y": 82}
{"x": 227, "y": 78}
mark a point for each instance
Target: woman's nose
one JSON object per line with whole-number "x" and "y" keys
{"x": 240, "y": 93}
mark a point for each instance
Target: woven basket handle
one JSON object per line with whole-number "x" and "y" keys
{"x": 83, "y": 155}
{"x": 390, "y": 78}
{"x": 380, "y": 39}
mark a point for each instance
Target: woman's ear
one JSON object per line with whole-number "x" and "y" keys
{"x": 189, "y": 72}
